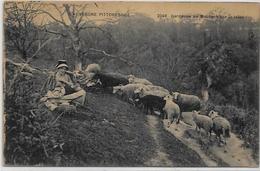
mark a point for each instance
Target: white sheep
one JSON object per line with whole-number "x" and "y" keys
{"x": 158, "y": 88}
{"x": 171, "y": 109}
{"x": 127, "y": 91}
{"x": 202, "y": 121}
{"x": 141, "y": 92}
{"x": 221, "y": 126}
{"x": 187, "y": 118}
{"x": 93, "y": 68}
{"x": 134, "y": 80}
{"x": 84, "y": 78}
{"x": 187, "y": 102}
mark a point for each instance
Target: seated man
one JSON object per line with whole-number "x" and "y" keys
{"x": 65, "y": 91}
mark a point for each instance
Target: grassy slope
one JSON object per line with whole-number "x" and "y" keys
{"x": 111, "y": 132}
{"x": 106, "y": 132}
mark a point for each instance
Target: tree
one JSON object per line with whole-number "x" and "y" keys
{"x": 219, "y": 16}
{"x": 73, "y": 23}
{"x": 22, "y": 34}
{"x": 20, "y": 29}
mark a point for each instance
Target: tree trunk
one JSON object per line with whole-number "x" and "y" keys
{"x": 76, "y": 47}
{"x": 78, "y": 66}
{"x": 207, "y": 37}
{"x": 204, "y": 94}
{"x": 206, "y": 82}
{"x": 74, "y": 34}
{"x": 24, "y": 55}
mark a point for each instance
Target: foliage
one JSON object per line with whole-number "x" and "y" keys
{"x": 28, "y": 140}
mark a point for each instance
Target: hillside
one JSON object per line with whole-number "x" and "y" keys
{"x": 106, "y": 131}
{"x": 110, "y": 132}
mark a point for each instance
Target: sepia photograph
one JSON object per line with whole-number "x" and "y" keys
{"x": 130, "y": 84}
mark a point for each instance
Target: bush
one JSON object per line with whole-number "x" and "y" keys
{"x": 27, "y": 141}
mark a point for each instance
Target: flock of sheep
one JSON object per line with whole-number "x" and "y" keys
{"x": 142, "y": 93}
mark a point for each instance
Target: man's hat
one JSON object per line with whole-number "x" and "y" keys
{"x": 62, "y": 63}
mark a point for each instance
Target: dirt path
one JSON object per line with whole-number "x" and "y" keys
{"x": 161, "y": 157}
{"x": 178, "y": 132}
{"x": 233, "y": 154}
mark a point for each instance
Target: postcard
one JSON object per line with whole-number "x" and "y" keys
{"x": 131, "y": 84}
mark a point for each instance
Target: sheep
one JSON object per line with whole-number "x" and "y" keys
{"x": 202, "y": 121}
{"x": 89, "y": 75}
{"x": 93, "y": 68}
{"x": 187, "y": 118}
{"x": 186, "y": 102}
{"x": 111, "y": 79}
{"x": 143, "y": 91}
{"x": 150, "y": 102}
{"x": 134, "y": 80}
{"x": 152, "y": 91}
{"x": 85, "y": 77}
{"x": 127, "y": 91}
{"x": 158, "y": 88}
{"x": 221, "y": 126}
{"x": 171, "y": 109}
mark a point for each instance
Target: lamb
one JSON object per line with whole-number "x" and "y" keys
{"x": 202, "y": 121}
{"x": 221, "y": 126}
{"x": 127, "y": 91}
{"x": 134, "y": 80}
{"x": 171, "y": 109}
{"x": 186, "y": 102}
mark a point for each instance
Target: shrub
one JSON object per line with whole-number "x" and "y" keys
{"x": 26, "y": 122}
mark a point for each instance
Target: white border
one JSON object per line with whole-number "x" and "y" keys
{"x": 101, "y": 168}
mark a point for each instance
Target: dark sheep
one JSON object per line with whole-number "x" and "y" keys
{"x": 111, "y": 79}
{"x": 152, "y": 102}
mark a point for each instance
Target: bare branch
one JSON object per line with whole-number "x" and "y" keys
{"x": 55, "y": 19}
{"x": 25, "y": 66}
{"x": 81, "y": 17}
{"x": 111, "y": 56}
{"x": 61, "y": 13}
{"x": 54, "y": 32}
{"x": 99, "y": 28}
{"x": 41, "y": 46}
